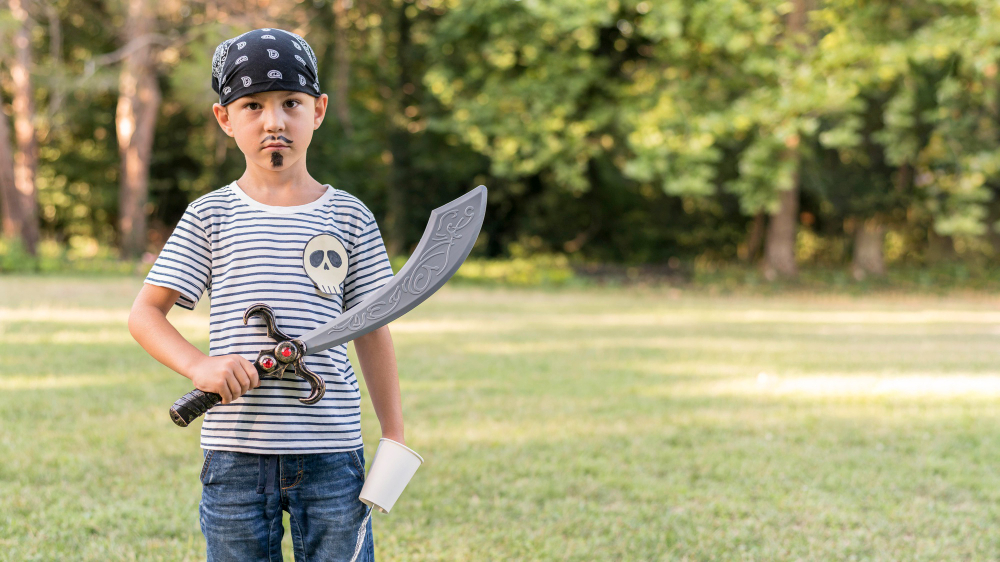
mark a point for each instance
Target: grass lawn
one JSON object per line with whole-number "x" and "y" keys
{"x": 576, "y": 425}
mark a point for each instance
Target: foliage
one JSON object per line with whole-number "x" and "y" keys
{"x": 539, "y": 270}
{"x": 939, "y": 279}
{"x": 81, "y": 255}
{"x": 14, "y": 258}
{"x": 624, "y": 131}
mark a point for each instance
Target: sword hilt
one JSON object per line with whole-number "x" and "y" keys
{"x": 270, "y": 364}
{"x": 193, "y": 404}
{"x": 189, "y": 407}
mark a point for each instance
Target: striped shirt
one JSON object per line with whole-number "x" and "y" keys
{"x": 244, "y": 252}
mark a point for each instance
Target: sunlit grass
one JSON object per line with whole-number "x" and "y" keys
{"x": 575, "y": 425}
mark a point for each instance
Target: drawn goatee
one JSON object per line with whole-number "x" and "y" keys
{"x": 277, "y": 159}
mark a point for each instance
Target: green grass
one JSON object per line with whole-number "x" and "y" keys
{"x": 583, "y": 424}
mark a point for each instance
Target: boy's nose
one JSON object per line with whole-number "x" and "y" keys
{"x": 273, "y": 121}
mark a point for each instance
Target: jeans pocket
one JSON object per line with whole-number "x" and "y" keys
{"x": 359, "y": 463}
{"x": 208, "y": 461}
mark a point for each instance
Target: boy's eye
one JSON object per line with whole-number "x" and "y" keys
{"x": 254, "y": 105}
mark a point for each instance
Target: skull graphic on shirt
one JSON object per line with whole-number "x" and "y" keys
{"x": 325, "y": 261}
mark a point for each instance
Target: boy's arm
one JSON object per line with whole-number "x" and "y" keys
{"x": 149, "y": 326}
{"x": 378, "y": 365}
{"x": 229, "y": 375}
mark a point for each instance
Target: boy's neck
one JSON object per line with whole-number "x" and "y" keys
{"x": 284, "y": 188}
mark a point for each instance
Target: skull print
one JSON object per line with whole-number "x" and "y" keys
{"x": 325, "y": 261}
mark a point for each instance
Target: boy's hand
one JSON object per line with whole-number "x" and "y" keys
{"x": 229, "y": 376}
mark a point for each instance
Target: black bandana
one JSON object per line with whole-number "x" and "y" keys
{"x": 263, "y": 60}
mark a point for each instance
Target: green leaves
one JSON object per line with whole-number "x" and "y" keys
{"x": 624, "y": 129}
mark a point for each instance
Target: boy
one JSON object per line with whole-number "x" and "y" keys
{"x": 264, "y": 451}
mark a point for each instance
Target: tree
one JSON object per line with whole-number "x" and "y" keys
{"x": 728, "y": 77}
{"x": 21, "y": 203}
{"x": 779, "y": 246}
{"x": 10, "y": 197}
{"x": 138, "y": 105}
{"x": 629, "y": 130}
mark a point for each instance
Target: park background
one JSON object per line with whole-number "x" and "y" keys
{"x": 734, "y": 296}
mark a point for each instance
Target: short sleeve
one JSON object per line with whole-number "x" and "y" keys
{"x": 367, "y": 265}
{"x": 185, "y": 264}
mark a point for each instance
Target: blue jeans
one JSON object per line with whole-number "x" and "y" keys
{"x": 243, "y": 496}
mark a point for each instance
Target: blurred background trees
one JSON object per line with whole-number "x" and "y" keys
{"x": 847, "y": 133}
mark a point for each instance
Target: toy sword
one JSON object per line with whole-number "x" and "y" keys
{"x": 450, "y": 234}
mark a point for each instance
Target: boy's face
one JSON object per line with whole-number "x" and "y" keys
{"x": 282, "y": 117}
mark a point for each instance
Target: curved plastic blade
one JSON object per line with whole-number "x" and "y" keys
{"x": 450, "y": 234}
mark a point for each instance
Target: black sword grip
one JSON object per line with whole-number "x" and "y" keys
{"x": 197, "y": 402}
{"x": 191, "y": 405}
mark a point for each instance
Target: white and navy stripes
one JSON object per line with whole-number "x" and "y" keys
{"x": 244, "y": 252}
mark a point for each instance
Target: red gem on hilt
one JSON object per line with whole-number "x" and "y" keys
{"x": 287, "y": 352}
{"x": 267, "y": 363}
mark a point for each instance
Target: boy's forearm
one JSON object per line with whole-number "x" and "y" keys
{"x": 149, "y": 326}
{"x": 378, "y": 365}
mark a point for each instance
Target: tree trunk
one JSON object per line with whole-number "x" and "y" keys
{"x": 940, "y": 249}
{"x": 399, "y": 142}
{"x": 756, "y": 238}
{"x": 779, "y": 249}
{"x": 10, "y": 197}
{"x": 138, "y": 105}
{"x": 993, "y": 219}
{"x": 797, "y": 17}
{"x": 342, "y": 54}
{"x": 904, "y": 178}
{"x": 26, "y": 158}
{"x": 55, "y": 56}
{"x": 869, "y": 236}
{"x": 992, "y": 84}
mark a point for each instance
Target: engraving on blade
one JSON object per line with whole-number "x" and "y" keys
{"x": 430, "y": 263}
{"x": 446, "y": 242}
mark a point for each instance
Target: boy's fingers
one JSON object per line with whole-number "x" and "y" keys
{"x": 234, "y": 386}
{"x": 243, "y": 379}
{"x": 227, "y": 396}
{"x": 252, "y": 373}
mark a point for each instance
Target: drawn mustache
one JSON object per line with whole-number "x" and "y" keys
{"x": 280, "y": 138}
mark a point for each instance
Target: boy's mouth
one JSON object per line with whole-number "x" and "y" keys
{"x": 277, "y": 142}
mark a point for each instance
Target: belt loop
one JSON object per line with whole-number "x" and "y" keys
{"x": 272, "y": 474}
{"x": 267, "y": 473}
{"x": 261, "y": 471}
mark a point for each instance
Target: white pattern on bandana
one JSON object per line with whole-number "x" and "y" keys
{"x": 219, "y": 58}
{"x": 312, "y": 56}
{"x": 251, "y": 73}
{"x": 221, "y": 53}
{"x": 302, "y": 45}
